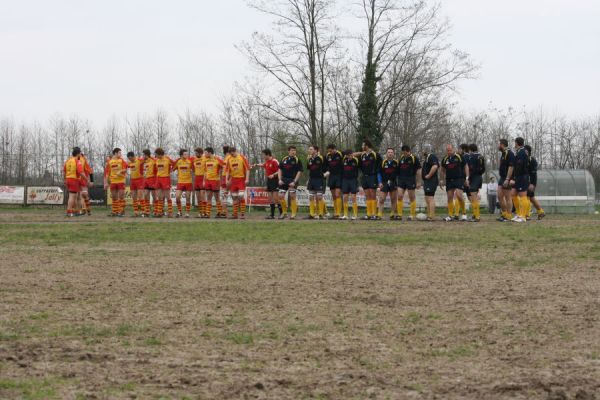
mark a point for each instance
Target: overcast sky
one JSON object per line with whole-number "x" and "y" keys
{"x": 102, "y": 57}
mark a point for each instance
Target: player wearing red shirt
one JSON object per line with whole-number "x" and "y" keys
{"x": 136, "y": 182}
{"x": 237, "y": 175}
{"x": 73, "y": 173}
{"x": 271, "y": 166}
{"x": 184, "y": 166}
{"x": 115, "y": 173}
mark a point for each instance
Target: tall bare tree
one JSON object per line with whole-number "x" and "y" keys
{"x": 406, "y": 52}
{"x": 296, "y": 58}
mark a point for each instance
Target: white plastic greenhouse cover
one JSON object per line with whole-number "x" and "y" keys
{"x": 565, "y": 191}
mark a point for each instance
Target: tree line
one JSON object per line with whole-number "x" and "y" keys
{"x": 391, "y": 78}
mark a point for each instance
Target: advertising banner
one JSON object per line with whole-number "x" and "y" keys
{"x": 12, "y": 194}
{"x": 53, "y": 195}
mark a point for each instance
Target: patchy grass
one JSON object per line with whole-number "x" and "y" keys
{"x": 29, "y": 389}
{"x": 296, "y": 309}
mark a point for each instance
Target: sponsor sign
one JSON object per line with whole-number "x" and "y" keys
{"x": 45, "y": 195}
{"x": 12, "y": 194}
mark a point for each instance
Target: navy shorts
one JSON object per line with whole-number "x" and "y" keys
{"x": 389, "y": 186}
{"x": 286, "y": 184}
{"x": 455, "y": 184}
{"x": 349, "y": 186}
{"x": 430, "y": 186}
{"x": 334, "y": 181}
{"x": 316, "y": 185}
{"x": 522, "y": 183}
{"x": 369, "y": 182}
{"x": 407, "y": 183}
{"x": 475, "y": 183}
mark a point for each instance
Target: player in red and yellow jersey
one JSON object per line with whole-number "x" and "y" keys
{"x": 213, "y": 167}
{"x": 184, "y": 165}
{"x": 73, "y": 174}
{"x": 85, "y": 183}
{"x": 198, "y": 162}
{"x": 115, "y": 173}
{"x": 136, "y": 183}
{"x": 237, "y": 175}
{"x": 149, "y": 182}
{"x": 222, "y": 200}
{"x": 164, "y": 166}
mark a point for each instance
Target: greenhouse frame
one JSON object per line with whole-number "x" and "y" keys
{"x": 563, "y": 191}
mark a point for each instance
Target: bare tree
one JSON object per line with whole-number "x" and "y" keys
{"x": 160, "y": 129}
{"x": 296, "y": 58}
{"x": 406, "y": 45}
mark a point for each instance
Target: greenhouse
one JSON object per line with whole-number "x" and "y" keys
{"x": 565, "y": 191}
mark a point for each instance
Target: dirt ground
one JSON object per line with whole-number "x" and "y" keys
{"x": 455, "y": 319}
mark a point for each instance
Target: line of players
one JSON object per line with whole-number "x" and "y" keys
{"x": 210, "y": 176}
{"x": 150, "y": 182}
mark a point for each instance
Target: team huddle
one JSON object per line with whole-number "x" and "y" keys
{"x": 215, "y": 178}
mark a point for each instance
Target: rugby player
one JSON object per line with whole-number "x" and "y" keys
{"x": 290, "y": 170}
{"x": 237, "y": 176}
{"x": 388, "y": 183}
{"x": 409, "y": 167}
{"x": 476, "y": 163}
{"x": 73, "y": 175}
{"x": 370, "y": 162}
{"x": 429, "y": 174}
{"x": 460, "y": 206}
{"x": 333, "y": 173}
{"x": 213, "y": 167}
{"x": 533, "y": 166}
{"x": 114, "y": 178}
{"x": 316, "y": 183}
{"x": 454, "y": 176}
{"x": 184, "y": 166}
{"x": 520, "y": 183}
{"x": 505, "y": 171}
{"x": 350, "y": 169}
{"x": 136, "y": 182}
{"x": 164, "y": 166}
{"x": 86, "y": 182}
{"x": 271, "y": 166}
{"x": 198, "y": 162}
{"x": 224, "y": 192}
{"x": 149, "y": 184}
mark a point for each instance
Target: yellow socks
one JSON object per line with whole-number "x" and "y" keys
{"x": 451, "y": 208}
{"x": 338, "y": 206}
{"x": 524, "y": 206}
{"x": 476, "y": 209}
{"x": 311, "y": 207}
{"x": 345, "y": 209}
{"x": 294, "y": 207}
{"x": 355, "y": 210}
{"x": 284, "y": 207}
{"x": 322, "y": 208}
{"x": 413, "y": 208}
{"x": 400, "y": 207}
{"x": 462, "y": 209}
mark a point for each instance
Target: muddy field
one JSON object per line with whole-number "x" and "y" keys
{"x": 98, "y": 308}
